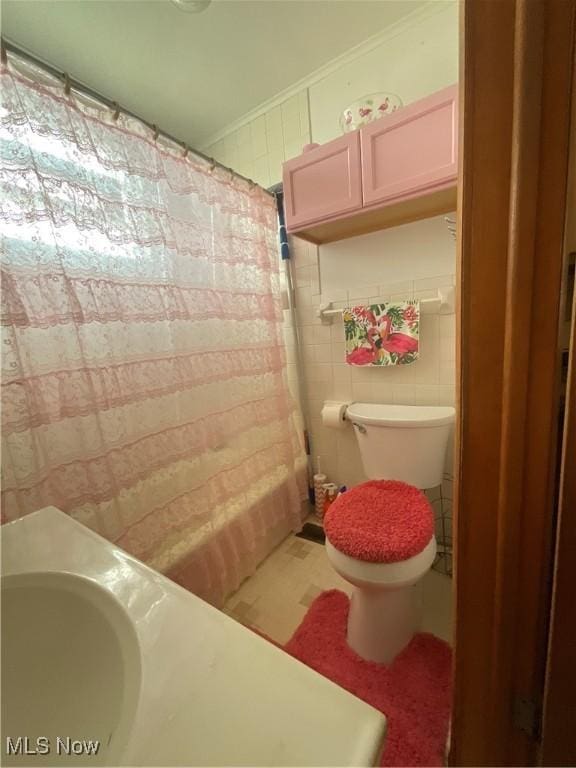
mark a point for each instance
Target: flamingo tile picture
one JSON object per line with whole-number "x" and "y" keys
{"x": 382, "y": 334}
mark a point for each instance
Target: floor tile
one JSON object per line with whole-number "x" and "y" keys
{"x": 276, "y": 597}
{"x": 243, "y": 612}
{"x": 310, "y": 595}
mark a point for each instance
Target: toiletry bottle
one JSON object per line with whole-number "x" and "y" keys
{"x": 330, "y": 493}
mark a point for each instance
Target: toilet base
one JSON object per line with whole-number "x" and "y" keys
{"x": 385, "y": 606}
{"x": 381, "y": 622}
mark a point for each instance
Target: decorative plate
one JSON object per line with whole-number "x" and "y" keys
{"x": 367, "y": 109}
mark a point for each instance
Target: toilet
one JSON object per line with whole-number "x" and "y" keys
{"x": 380, "y": 534}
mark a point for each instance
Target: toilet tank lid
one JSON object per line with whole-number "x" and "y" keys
{"x": 400, "y": 415}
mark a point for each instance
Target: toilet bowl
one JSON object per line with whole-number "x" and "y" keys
{"x": 380, "y": 535}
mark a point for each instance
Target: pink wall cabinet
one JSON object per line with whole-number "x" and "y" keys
{"x": 324, "y": 182}
{"x": 400, "y": 168}
{"x": 412, "y": 150}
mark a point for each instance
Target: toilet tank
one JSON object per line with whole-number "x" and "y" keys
{"x": 402, "y": 442}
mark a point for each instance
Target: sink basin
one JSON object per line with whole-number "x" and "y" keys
{"x": 70, "y": 670}
{"x": 97, "y": 646}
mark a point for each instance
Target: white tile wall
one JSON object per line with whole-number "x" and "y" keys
{"x": 356, "y": 277}
{"x": 258, "y": 148}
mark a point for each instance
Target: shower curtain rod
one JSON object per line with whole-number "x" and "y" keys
{"x": 70, "y": 83}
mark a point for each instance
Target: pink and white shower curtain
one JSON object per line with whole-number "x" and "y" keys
{"x": 143, "y": 389}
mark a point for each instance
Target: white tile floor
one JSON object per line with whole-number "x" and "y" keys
{"x": 276, "y": 598}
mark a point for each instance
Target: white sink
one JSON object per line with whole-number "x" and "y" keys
{"x": 70, "y": 668}
{"x": 98, "y": 647}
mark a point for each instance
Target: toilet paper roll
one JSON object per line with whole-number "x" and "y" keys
{"x": 334, "y": 415}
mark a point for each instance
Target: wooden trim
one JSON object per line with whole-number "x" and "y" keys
{"x": 515, "y": 95}
{"x": 559, "y": 721}
{"x": 559, "y": 734}
{"x": 484, "y": 169}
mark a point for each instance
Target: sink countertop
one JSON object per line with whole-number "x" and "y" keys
{"x": 213, "y": 692}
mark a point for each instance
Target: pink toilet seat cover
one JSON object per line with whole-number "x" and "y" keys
{"x": 381, "y": 521}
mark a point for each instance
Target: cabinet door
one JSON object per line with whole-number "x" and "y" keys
{"x": 323, "y": 182}
{"x": 412, "y": 151}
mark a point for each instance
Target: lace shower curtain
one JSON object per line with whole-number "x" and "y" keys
{"x": 144, "y": 386}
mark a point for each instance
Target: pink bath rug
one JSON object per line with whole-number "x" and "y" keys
{"x": 414, "y": 692}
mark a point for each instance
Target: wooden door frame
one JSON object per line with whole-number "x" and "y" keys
{"x": 516, "y": 67}
{"x": 558, "y": 745}
{"x": 559, "y": 718}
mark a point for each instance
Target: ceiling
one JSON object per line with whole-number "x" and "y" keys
{"x": 193, "y": 74}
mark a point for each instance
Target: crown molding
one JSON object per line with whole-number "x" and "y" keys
{"x": 430, "y": 9}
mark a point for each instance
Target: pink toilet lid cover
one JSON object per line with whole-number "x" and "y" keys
{"x": 381, "y": 521}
